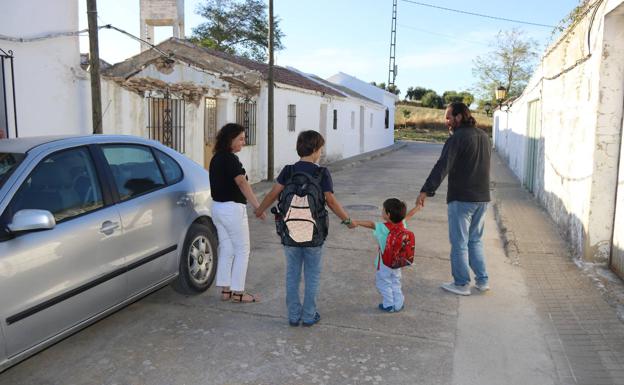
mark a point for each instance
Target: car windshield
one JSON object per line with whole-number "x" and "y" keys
{"x": 8, "y": 163}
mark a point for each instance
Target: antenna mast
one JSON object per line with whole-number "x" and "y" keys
{"x": 392, "y": 67}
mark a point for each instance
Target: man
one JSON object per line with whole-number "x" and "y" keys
{"x": 466, "y": 159}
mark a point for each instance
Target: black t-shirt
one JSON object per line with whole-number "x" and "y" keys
{"x": 327, "y": 185}
{"x": 224, "y": 167}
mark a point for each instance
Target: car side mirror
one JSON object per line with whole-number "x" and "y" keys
{"x": 30, "y": 219}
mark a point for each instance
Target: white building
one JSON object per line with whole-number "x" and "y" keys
{"x": 370, "y": 91}
{"x": 205, "y": 88}
{"x": 563, "y": 136}
{"x": 180, "y": 94}
{"x": 51, "y": 90}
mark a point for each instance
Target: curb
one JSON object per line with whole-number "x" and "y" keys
{"x": 510, "y": 243}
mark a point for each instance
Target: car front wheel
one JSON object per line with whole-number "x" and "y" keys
{"x": 198, "y": 261}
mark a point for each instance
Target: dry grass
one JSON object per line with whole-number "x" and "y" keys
{"x": 428, "y": 124}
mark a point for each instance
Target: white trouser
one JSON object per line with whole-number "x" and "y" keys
{"x": 230, "y": 218}
{"x": 389, "y": 286}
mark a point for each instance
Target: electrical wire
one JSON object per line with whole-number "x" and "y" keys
{"x": 478, "y": 14}
{"x": 43, "y": 37}
{"x": 443, "y": 35}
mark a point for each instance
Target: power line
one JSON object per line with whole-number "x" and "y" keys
{"x": 478, "y": 14}
{"x": 443, "y": 35}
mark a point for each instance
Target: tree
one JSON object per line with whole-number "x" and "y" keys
{"x": 432, "y": 100}
{"x": 467, "y": 98}
{"x": 419, "y": 92}
{"x": 393, "y": 89}
{"x": 409, "y": 93}
{"x": 451, "y": 97}
{"x": 406, "y": 114}
{"x": 510, "y": 64}
{"x": 238, "y": 27}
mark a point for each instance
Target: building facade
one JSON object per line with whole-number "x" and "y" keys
{"x": 563, "y": 136}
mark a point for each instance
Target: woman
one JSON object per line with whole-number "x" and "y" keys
{"x": 230, "y": 193}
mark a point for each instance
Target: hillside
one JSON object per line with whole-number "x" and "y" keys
{"x": 427, "y": 124}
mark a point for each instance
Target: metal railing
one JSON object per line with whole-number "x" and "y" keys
{"x": 246, "y": 117}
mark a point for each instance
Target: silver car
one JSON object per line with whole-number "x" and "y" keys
{"x": 90, "y": 224}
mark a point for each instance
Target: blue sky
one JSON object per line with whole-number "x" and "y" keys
{"x": 435, "y": 48}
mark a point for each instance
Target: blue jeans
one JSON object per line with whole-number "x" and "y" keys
{"x": 466, "y": 222}
{"x": 310, "y": 259}
{"x": 388, "y": 282}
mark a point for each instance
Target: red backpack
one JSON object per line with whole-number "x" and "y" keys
{"x": 399, "y": 251}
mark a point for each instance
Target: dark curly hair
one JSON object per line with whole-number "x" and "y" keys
{"x": 460, "y": 108}
{"x": 226, "y": 135}
{"x": 396, "y": 209}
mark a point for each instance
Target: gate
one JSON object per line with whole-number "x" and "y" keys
{"x": 166, "y": 121}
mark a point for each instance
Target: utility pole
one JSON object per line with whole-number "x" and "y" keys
{"x": 270, "y": 132}
{"x": 392, "y": 68}
{"x": 94, "y": 67}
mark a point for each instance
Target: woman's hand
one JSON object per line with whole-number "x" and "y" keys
{"x": 260, "y": 214}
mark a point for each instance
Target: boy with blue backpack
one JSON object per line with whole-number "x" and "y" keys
{"x": 395, "y": 250}
{"x": 302, "y": 190}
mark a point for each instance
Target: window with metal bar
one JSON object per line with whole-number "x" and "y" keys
{"x": 292, "y": 117}
{"x": 335, "y": 119}
{"x": 352, "y": 119}
{"x": 371, "y": 120}
{"x": 166, "y": 121}
{"x": 246, "y": 117}
{"x": 387, "y": 121}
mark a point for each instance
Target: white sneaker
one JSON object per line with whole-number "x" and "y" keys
{"x": 482, "y": 286}
{"x": 456, "y": 289}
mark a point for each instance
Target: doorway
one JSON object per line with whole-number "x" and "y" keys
{"x": 534, "y": 131}
{"x": 323, "y": 127}
{"x": 210, "y": 129}
{"x": 361, "y": 129}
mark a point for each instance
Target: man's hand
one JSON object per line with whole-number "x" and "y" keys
{"x": 420, "y": 201}
{"x": 352, "y": 225}
{"x": 260, "y": 214}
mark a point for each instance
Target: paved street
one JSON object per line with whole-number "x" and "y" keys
{"x": 542, "y": 323}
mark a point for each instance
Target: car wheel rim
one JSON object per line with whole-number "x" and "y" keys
{"x": 200, "y": 262}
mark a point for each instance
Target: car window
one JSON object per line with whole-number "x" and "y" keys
{"x": 134, "y": 169}
{"x": 171, "y": 168}
{"x": 8, "y": 163}
{"x": 64, "y": 183}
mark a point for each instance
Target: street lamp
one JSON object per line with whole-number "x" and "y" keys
{"x": 501, "y": 94}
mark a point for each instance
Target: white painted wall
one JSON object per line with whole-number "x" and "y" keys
{"x": 52, "y": 91}
{"x": 581, "y": 120}
{"x": 375, "y": 93}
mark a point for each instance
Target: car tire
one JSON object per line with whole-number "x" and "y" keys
{"x": 198, "y": 261}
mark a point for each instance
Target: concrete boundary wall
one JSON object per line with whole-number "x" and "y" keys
{"x": 570, "y": 161}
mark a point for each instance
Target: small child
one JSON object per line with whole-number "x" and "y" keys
{"x": 388, "y": 280}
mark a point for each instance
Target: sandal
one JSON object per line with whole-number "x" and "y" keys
{"x": 226, "y": 295}
{"x": 244, "y": 298}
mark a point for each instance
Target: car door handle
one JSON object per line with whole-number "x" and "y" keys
{"x": 184, "y": 200}
{"x": 109, "y": 227}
